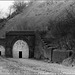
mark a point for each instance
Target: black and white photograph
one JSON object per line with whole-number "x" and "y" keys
{"x": 37, "y": 37}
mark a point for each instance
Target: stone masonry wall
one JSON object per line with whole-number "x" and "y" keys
{"x": 40, "y": 51}
{"x": 60, "y": 55}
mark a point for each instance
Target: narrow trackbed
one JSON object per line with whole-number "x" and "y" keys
{"x": 16, "y": 67}
{"x": 32, "y": 67}
{"x": 26, "y": 68}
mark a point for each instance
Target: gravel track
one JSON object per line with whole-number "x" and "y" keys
{"x": 10, "y": 66}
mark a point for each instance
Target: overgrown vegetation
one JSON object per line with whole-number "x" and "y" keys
{"x": 18, "y": 7}
{"x": 2, "y": 22}
{"x": 62, "y": 33}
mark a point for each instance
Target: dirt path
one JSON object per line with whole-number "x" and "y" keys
{"x": 46, "y": 68}
{"x": 12, "y": 66}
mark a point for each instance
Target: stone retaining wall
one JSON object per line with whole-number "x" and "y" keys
{"x": 60, "y": 55}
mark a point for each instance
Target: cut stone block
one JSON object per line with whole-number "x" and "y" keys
{"x": 60, "y": 55}
{"x": 67, "y": 61}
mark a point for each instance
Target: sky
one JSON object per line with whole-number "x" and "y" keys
{"x": 4, "y": 7}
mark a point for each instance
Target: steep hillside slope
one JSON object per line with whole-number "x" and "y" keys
{"x": 38, "y": 16}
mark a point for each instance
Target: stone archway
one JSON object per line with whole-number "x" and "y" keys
{"x": 20, "y": 48}
{"x": 2, "y": 50}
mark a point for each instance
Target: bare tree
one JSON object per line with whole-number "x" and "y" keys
{"x": 18, "y": 6}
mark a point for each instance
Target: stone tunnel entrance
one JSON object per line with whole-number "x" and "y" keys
{"x": 20, "y": 44}
{"x": 20, "y": 49}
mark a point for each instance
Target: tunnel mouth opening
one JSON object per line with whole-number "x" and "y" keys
{"x": 20, "y": 49}
{"x": 2, "y": 50}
